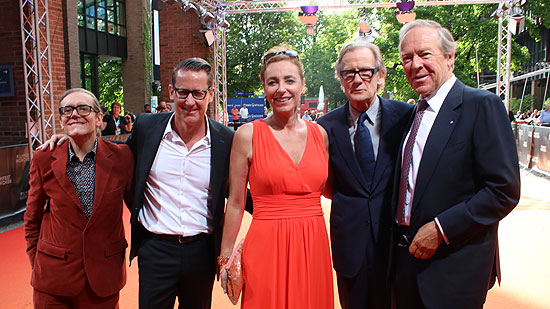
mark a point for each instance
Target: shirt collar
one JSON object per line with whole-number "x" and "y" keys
{"x": 372, "y": 112}
{"x": 169, "y": 130}
{"x": 436, "y": 100}
{"x": 72, "y": 154}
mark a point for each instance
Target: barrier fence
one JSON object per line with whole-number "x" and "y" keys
{"x": 533, "y": 145}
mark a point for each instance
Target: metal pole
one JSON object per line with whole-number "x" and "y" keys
{"x": 546, "y": 88}
{"x": 523, "y": 94}
{"x": 508, "y": 61}
{"x": 477, "y": 66}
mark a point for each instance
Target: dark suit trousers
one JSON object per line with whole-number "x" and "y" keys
{"x": 169, "y": 269}
{"x": 406, "y": 294}
{"x": 368, "y": 289}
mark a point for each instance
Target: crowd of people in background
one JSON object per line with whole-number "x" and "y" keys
{"x": 537, "y": 117}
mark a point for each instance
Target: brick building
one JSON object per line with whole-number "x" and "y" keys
{"x": 84, "y": 32}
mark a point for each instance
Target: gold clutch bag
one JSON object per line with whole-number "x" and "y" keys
{"x": 235, "y": 280}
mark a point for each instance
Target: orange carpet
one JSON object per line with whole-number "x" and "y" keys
{"x": 524, "y": 248}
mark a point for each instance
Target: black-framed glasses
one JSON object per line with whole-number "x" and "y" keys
{"x": 365, "y": 74}
{"x": 183, "y": 93}
{"x": 289, "y": 53}
{"x": 82, "y": 110}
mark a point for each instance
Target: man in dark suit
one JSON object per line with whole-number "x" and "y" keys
{"x": 180, "y": 180}
{"x": 458, "y": 176}
{"x": 360, "y": 215}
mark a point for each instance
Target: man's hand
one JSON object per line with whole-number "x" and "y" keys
{"x": 426, "y": 241}
{"x": 55, "y": 140}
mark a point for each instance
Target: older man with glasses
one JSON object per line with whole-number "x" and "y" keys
{"x": 364, "y": 139}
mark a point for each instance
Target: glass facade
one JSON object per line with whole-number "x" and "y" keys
{"x": 108, "y": 16}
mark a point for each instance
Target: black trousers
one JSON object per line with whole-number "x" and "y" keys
{"x": 168, "y": 269}
{"x": 405, "y": 291}
{"x": 368, "y": 289}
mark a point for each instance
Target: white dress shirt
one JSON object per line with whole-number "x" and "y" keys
{"x": 372, "y": 121}
{"x": 177, "y": 189}
{"x": 434, "y": 105}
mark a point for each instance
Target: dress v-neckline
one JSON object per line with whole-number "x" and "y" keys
{"x": 284, "y": 150}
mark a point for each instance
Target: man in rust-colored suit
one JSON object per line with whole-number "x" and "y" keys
{"x": 73, "y": 222}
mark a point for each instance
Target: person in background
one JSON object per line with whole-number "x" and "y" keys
{"x": 544, "y": 119}
{"x": 235, "y": 117}
{"x": 114, "y": 123}
{"x": 459, "y": 176}
{"x": 147, "y": 108}
{"x": 364, "y": 139}
{"x": 243, "y": 112}
{"x": 73, "y": 221}
{"x": 285, "y": 258}
{"x": 411, "y": 101}
{"x": 162, "y": 107}
{"x": 306, "y": 116}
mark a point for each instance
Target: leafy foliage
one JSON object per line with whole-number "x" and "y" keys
{"x": 526, "y": 105}
{"x": 250, "y": 35}
{"x": 110, "y": 82}
{"x": 473, "y": 28}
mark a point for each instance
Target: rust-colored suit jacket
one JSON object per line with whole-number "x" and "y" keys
{"x": 64, "y": 249}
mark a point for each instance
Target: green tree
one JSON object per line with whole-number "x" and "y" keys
{"x": 471, "y": 25}
{"x": 333, "y": 31}
{"x": 249, "y": 36}
{"x": 110, "y": 82}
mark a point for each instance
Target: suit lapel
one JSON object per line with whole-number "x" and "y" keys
{"x": 217, "y": 152}
{"x": 440, "y": 133}
{"x": 382, "y": 159}
{"x": 59, "y": 168}
{"x": 342, "y": 139}
{"x": 151, "y": 141}
{"x": 103, "y": 167}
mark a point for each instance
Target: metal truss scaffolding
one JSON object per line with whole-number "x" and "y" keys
{"x": 239, "y": 7}
{"x": 35, "y": 37}
{"x": 37, "y": 60}
{"x": 235, "y": 7}
{"x": 504, "y": 58}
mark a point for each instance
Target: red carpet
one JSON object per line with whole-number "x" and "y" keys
{"x": 524, "y": 247}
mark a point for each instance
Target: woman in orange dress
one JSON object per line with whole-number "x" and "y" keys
{"x": 286, "y": 257}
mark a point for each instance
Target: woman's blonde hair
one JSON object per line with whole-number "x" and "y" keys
{"x": 279, "y": 53}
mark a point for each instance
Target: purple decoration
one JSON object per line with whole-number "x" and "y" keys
{"x": 405, "y": 6}
{"x": 312, "y": 9}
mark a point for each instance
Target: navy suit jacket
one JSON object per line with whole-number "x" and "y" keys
{"x": 360, "y": 215}
{"x": 144, "y": 142}
{"x": 468, "y": 178}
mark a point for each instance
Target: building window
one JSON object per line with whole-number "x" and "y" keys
{"x": 103, "y": 15}
{"x": 88, "y": 73}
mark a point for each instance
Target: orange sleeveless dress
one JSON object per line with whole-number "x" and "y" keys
{"x": 286, "y": 257}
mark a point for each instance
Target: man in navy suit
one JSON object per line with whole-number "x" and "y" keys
{"x": 360, "y": 219}
{"x": 457, "y": 177}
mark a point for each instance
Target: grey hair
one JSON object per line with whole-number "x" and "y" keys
{"x": 355, "y": 45}
{"x": 96, "y": 107}
{"x": 446, "y": 43}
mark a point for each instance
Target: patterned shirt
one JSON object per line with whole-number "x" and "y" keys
{"x": 82, "y": 175}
